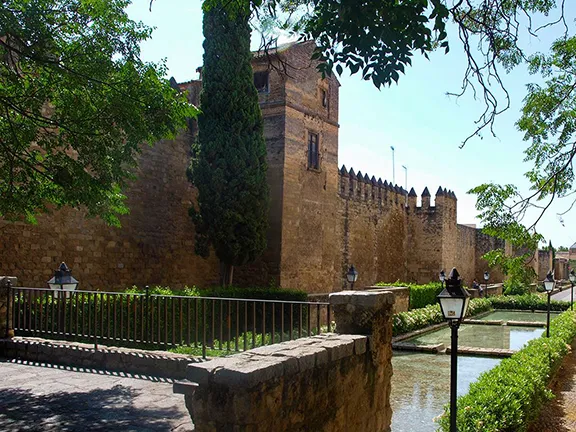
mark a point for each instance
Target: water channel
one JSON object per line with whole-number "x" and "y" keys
{"x": 421, "y": 381}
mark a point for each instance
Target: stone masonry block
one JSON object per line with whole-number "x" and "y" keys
{"x": 338, "y": 349}
{"x": 249, "y": 373}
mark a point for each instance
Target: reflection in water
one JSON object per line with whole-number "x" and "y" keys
{"x": 421, "y": 386}
{"x": 482, "y": 336}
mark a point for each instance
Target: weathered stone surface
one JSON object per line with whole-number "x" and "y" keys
{"x": 330, "y": 382}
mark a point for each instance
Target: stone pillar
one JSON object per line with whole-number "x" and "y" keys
{"x": 370, "y": 313}
{"x": 6, "y": 306}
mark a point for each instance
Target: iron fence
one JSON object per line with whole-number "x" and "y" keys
{"x": 155, "y": 321}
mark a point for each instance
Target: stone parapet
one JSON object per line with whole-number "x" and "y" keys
{"x": 153, "y": 363}
{"x": 330, "y": 382}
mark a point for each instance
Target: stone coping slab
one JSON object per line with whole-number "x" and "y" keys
{"x": 250, "y": 368}
{"x": 485, "y": 352}
{"x": 156, "y": 363}
{"x": 406, "y": 346}
{"x": 367, "y": 299}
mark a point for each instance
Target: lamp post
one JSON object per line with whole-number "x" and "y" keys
{"x": 454, "y": 303}
{"x": 442, "y": 277}
{"x": 548, "y": 286}
{"x": 486, "y": 279}
{"x": 572, "y": 282}
{"x": 63, "y": 280}
{"x": 352, "y": 276}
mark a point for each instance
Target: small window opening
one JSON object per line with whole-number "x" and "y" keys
{"x": 261, "y": 82}
{"x": 324, "y": 96}
{"x": 313, "y": 151}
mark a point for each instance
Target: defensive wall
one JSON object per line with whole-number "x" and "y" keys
{"x": 322, "y": 218}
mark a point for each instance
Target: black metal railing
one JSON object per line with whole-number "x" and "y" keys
{"x": 162, "y": 322}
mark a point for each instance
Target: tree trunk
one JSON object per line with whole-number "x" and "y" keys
{"x": 226, "y": 274}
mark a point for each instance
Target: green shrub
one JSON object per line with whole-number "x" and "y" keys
{"x": 527, "y": 302}
{"x": 420, "y": 295}
{"x": 515, "y": 287}
{"x": 510, "y": 395}
{"x": 416, "y": 319}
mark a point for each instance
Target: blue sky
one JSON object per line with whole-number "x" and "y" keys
{"x": 424, "y": 125}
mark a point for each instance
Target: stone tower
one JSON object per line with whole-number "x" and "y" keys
{"x": 300, "y": 111}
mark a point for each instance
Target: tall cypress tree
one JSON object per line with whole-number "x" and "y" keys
{"x": 229, "y": 165}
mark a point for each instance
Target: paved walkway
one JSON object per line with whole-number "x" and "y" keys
{"x": 564, "y": 294}
{"x": 559, "y": 415}
{"x": 58, "y": 398}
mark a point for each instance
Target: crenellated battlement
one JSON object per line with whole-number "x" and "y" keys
{"x": 360, "y": 186}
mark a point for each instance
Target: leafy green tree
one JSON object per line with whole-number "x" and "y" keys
{"x": 548, "y": 124}
{"x": 76, "y": 102}
{"x": 229, "y": 167}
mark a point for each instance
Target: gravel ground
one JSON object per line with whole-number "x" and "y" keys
{"x": 40, "y": 397}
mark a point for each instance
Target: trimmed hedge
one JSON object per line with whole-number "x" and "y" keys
{"x": 416, "y": 319}
{"x": 528, "y": 302}
{"x": 510, "y": 396}
{"x": 420, "y": 295}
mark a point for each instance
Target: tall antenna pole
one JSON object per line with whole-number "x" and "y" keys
{"x": 405, "y": 183}
{"x": 393, "y": 167}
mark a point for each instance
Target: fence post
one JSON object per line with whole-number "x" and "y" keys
{"x": 147, "y": 317}
{"x": 95, "y": 322}
{"x": 7, "y": 306}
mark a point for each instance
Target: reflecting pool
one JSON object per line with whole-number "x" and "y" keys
{"x": 421, "y": 386}
{"x": 482, "y": 336}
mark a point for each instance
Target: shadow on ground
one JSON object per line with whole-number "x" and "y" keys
{"x": 81, "y": 369}
{"x": 96, "y": 410}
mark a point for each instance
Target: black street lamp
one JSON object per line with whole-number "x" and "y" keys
{"x": 63, "y": 280}
{"x": 442, "y": 277}
{"x": 548, "y": 286}
{"x": 486, "y": 279}
{"x": 453, "y": 303}
{"x": 352, "y": 276}
{"x": 572, "y": 282}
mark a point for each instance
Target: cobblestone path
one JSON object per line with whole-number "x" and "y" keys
{"x": 57, "y": 398}
{"x": 559, "y": 415}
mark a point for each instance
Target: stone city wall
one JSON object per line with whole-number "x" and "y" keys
{"x": 331, "y": 382}
{"x": 374, "y": 225}
{"x": 154, "y": 246}
{"x": 321, "y": 220}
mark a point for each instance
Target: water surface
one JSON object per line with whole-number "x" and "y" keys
{"x": 421, "y": 387}
{"x": 482, "y": 336}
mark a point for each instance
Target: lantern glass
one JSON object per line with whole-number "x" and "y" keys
{"x": 486, "y": 276}
{"x": 548, "y": 285}
{"x": 352, "y": 275}
{"x": 442, "y": 276}
{"x": 572, "y": 277}
{"x": 453, "y": 307}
